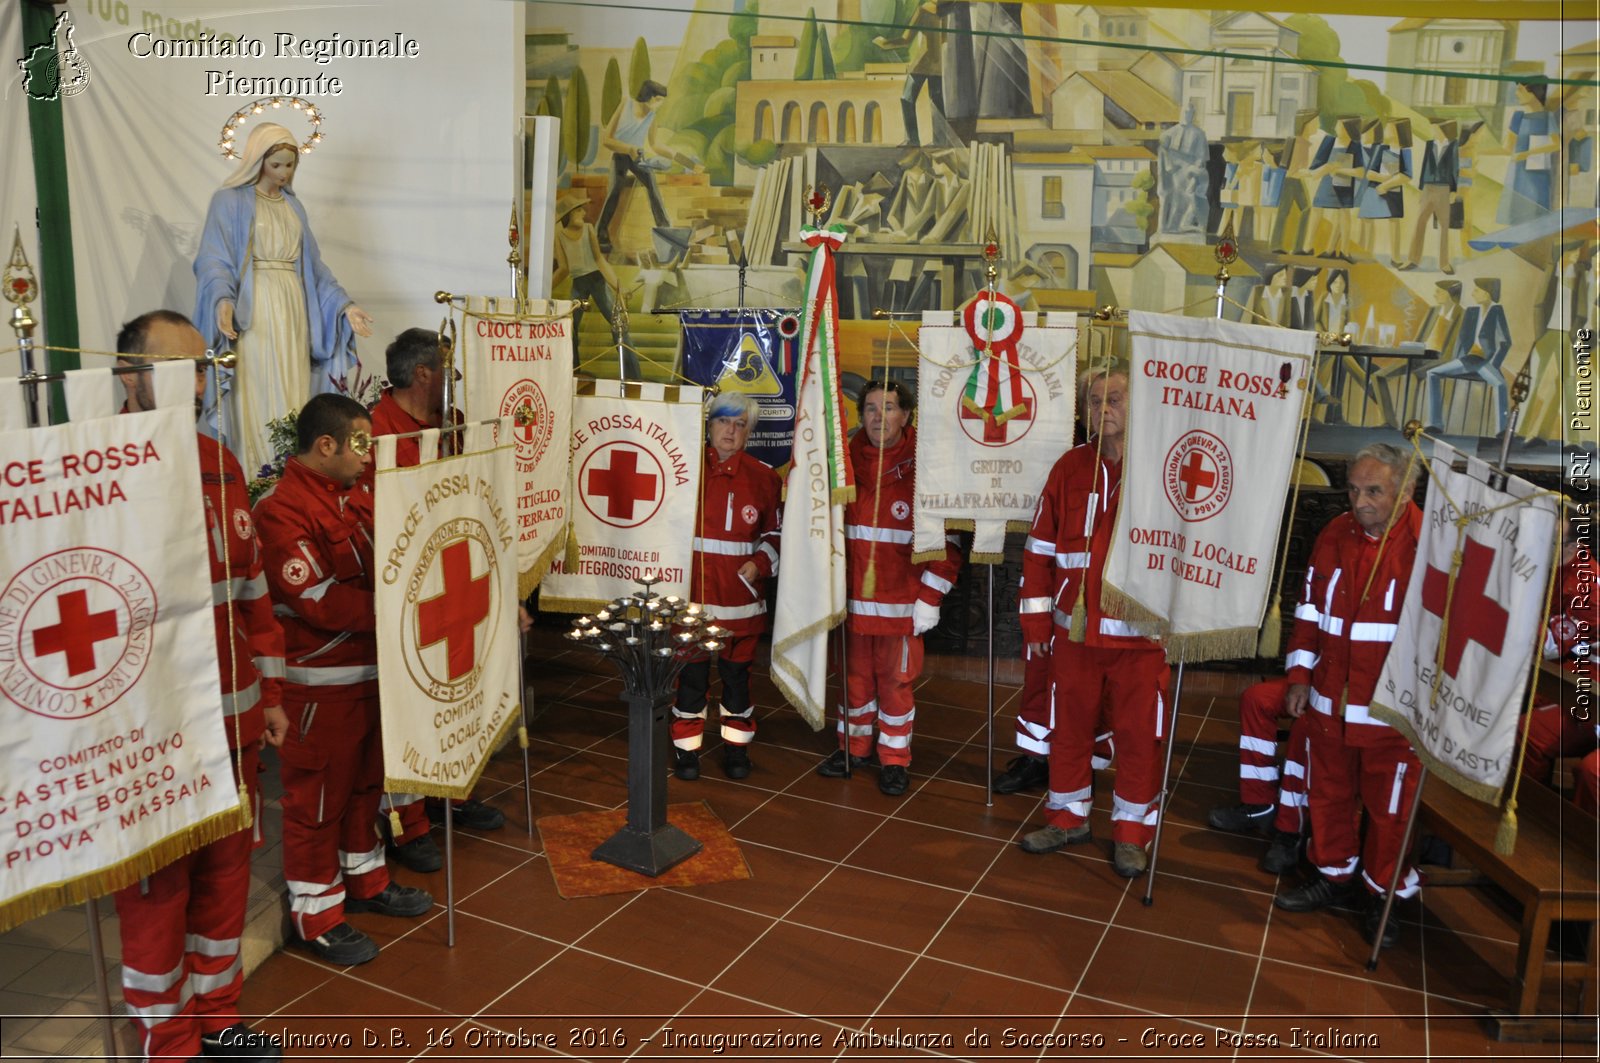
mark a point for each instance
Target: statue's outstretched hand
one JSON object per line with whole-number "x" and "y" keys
{"x": 225, "y": 319}
{"x": 359, "y": 319}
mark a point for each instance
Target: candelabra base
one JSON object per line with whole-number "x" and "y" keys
{"x": 649, "y": 852}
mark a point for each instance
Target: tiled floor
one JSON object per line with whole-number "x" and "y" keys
{"x": 876, "y": 927}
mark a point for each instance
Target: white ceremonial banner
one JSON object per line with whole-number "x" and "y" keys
{"x": 1455, "y": 679}
{"x": 520, "y": 367}
{"x": 990, "y": 424}
{"x": 445, "y": 536}
{"x": 113, "y": 756}
{"x": 636, "y": 458}
{"x": 1214, "y": 410}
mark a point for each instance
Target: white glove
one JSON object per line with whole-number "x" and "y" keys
{"x": 924, "y": 617}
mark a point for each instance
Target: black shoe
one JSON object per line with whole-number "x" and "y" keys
{"x": 242, "y": 1043}
{"x": 343, "y": 946}
{"x": 1026, "y": 772}
{"x": 735, "y": 761}
{"x": 418, "y": 854}
{"x": 893, "y": 779}
{"x": 1391, "y": 929}
{"x": 404, "y": 901}
{"x": 833, "y": 767}
{"x": 1240, "y": 818}
{"x": 1283, "y": 854}
{"x": 472, "y": 814}
{"x": 686, "y": 764}
{"x": 1314, "y": 895}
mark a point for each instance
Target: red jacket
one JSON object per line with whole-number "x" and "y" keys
{"x": 255, "y": 679}
{"x": 1067, "y": 547}
{"x": 740, "y": 516}
{"x": 1340, "y": 641}
{"x": 877, "y": 528}
{"x": 317, "y": 537}
{"x": 1571, "y": 633}
{"x": 390, "y": 419}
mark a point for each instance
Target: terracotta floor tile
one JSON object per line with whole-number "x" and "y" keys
{"x": 877, "y": 908}
{"x": 1168, "y": 976}
{"x": 811, "y": 973}
{"x": 486, "y": 961}
{"x": 531, "y": 904}
{"x": 578, "y": 983}
{"x": 818, "y": 828}
{"x": 1213, "y": 856}
{"x": 676, "y": 931}
{"x": 937, "y": 987}
{"x": 1332, "y": 1009}
{"x": 1017, "y": 941}
{"x": 1232, "y": 918}
{"x": 927, "y": 854}
{"x": 714, "y": 1018}
{"x": 348, "y": 1017}
{"x": 284, "y": 978}
{"x": 1464, "y": 1032}
{"x": 941, "y": 802}
{"x": 778, "y": 878}
{"x": 1078, "y": 881}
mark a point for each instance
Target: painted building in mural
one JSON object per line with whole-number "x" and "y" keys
{"x": 1108, "y": 149}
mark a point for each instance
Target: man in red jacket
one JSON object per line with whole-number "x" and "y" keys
{"x": 316, "y": 530}
{"x": 412, "y": 403}
{"x": 1344, "y": 625}
{"x": 735, "y": 553}
{"x": 181, "y": 925}
{"x": 1063, "y": 564}
{"x": 892, "y": 600}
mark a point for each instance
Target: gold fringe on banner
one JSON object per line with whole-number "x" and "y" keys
{"x": 527, "y": 581}
{"x": 447, "y": 791}
{"x": 571, "y": 605}
{"x": 815, "y": 715}
{"x": 47, "y": 899}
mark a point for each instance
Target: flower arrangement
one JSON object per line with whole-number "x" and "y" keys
{"x": 282, "y": 431}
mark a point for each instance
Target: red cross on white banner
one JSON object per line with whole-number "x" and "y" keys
{"x": 1198, "y": 472}
{"x": 76, "y": 633}
{"x": 1474, "y": 616}
{"x": 622, "y": 484}
{"x": 452, "y": 616}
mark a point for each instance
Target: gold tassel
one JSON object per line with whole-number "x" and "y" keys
{"x": 869, "y": 581}
{"x": 1080, "y": 619}
{"x": 1505, "y": 835}
{"x": 244, "y": 804}
{"x": 572, "y": 549}
{"x": 522, "y": 737}
{"x": 394, "y": 824}
{"x": 1271, "y": 632}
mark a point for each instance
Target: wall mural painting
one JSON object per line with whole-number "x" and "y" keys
{"x": 1445, "y": 219}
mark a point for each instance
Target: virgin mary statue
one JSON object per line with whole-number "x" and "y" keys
{"x": 264, "y": 293}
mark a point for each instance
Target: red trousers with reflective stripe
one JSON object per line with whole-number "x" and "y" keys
{"x": 1131, "y": 685}
{"x": 1036, "y": 717}
{"x": 332, "y": 769}
{"x": 180, "y": 940}
{"x": 1260, "y": 782}
{"x": 1379, "y": 775}
{"x": 737, "y": 713}
{"x": 883, "y": 669}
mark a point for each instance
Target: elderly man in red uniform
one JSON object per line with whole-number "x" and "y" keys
{"x": 180, "y": 926}
{"x": 316, "y": 530}
{"x": 892, "y": 600}
{"x": 414, "y": 402}
{"x": 1344, "y": 625}
{"x": 735, "y": 553}
{"x": 1064, "y": 559}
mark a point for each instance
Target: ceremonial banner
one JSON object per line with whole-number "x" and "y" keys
{"x": 812, "y": 596}
{"x": 750, "y": 351}
{"x": 1454, "y": 681}
{"x": 994, "y": 412}
{"x": 113, "y": 756}
{"x": 1214, "y": 411}
{"x": 446, "y": 546}
{"x": 636, "y": 487}
{"x": 521, "y": 367}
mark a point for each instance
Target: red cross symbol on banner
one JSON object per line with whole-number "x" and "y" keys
{"x": 622, "y": 485}
{"x": 76, "y": 633}
{"x": 1474, "y": 616}
{"x": 453, "y": 615}
{"x": 1198, "y": 472}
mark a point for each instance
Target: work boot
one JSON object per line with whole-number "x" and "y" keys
{"x": 419, "y": 854}
{"x": 342, "y": 946}
{"x": 1129, "y": 859}
{"x": 1049, "y": 838}
{"x": 394, "y": 899}
{"x": 833, "y": 766}
{"x": 1240, "y": 818}
{"x": 686, "y": 764}
{"x": 1026, "y": 772}
{"x": 735, "y": 761}
{"x": 1314, "y": 895}
{"x": 893, "y": 779}
{"x": 1284, "y": 852}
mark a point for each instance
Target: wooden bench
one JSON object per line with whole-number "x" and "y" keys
{"x": 1552, "y": 874}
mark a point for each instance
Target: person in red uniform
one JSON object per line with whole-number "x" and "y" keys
{"x": 1268, "y": 799}
{"x": 1344, "y": 625}
{"x": 735, "y": 553}
{"x": 1064, "y": 558}
{"x": 892, "y": 600}
{"x": 1569, "y": 638}
{"x": 180, "y": 926}
{"x": 414, "y": 402}
{"x": 316, "y": 531}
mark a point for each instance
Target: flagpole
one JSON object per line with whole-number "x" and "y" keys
{"x": 1226, "y": 252}
{"x": 991, "y": 252}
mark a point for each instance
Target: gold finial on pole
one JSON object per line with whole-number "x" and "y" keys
{"x": 991, "y": 255}
{"x": 1411, "y": 430}
{"x": 1227, "y": 252}
{"x": 21, "y": 289}
{"x": 818, "y": 200}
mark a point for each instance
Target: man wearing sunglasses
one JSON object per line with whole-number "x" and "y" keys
{"x": 316, "y": 532}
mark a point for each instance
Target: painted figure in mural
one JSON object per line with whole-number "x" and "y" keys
{"x": 1566, "y": 307}
{"x": 927, "y": 64}
{"x": 1337, "y": 164}
{"x": 1577, "y": 151}
{"x": 1481, "y": 348}
{"x": 1336, "y": 314}
{"x": 1272, "y": 299}
{"x": 1533, "y": 137}
{"x": 1303, "y": 300}
{"x": 1181, "y": 155}
{"x": 263, "y": 292}
{"x": 578, "y": 256}
{"x": 1467, "y": 169}
{"x": 1293, "y": 203}
{"x": 1436, "y": 186}
{"x": 630, "y": 136}
{"x": 1436, "y": 333}
{"x": 1387, "y": 147}
{"x": 1241, "y": 187}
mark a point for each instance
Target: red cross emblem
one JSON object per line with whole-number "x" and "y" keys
{"x": 623, "y": 485}
{"x": 1474, "y": 616}
{"x": 1198, "y": 475}
{"x": 531, "y": 422}
{"x": 452, "y": 616}
{"x": 76, "y": 633}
